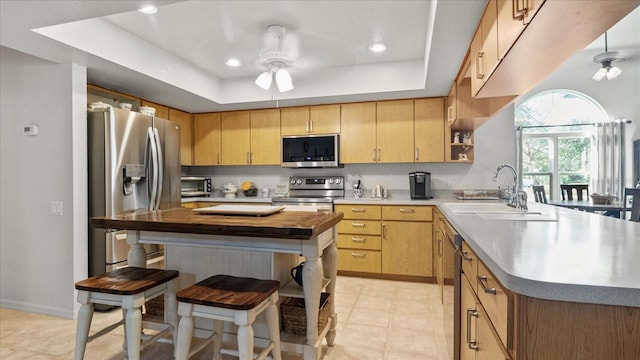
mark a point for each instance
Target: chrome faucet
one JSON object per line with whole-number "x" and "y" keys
{"x": 516, "y": 197}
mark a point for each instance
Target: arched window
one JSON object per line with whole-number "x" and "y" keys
{"x": 557, "y": 139}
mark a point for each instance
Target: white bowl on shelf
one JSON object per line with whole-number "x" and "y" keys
{"x": 147, "y": 110}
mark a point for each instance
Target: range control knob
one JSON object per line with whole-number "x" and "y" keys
{"x": 292, "y": 181}
{"x": 299, "y": 182}
{"x": 330, "y": 181}
{"x": 338, "y": 181}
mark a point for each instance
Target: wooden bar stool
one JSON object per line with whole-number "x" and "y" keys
{"x": 128, "y": 288}
{"x": 232, "y": 299}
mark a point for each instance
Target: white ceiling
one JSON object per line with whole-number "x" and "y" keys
{"x": 176, "y": 57}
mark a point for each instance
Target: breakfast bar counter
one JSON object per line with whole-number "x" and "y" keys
{"x": 201, "y": 245}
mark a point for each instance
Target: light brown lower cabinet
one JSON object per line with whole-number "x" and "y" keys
{"x": 479, "y": 340}
{"x": 389, "y": 239}
{"x": 496, "y": 323}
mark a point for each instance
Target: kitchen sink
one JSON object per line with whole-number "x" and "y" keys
{"x": 484, "y": 208}
{"x": 498, "y": 212}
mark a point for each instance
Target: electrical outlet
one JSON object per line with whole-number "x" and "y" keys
{"x": 452, "y": 181}
{"x": 56, "y": 208}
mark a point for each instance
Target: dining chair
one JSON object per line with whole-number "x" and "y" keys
{"x": 635, "y": 205}
{"x": 539, "y": 194}
{"x": 582, "y": 190}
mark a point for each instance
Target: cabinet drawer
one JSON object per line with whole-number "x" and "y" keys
{"x": 366, "y": 227}
{"x": 359, "y": 260}
{"x": 470, "y": 265}
{"x": 407, "y": 213}
{"x": 352, "y": 241}
{"x": 497, "y": 303}
{"x": 359, "y": 211}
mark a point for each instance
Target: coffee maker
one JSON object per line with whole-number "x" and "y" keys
{"x": 420, "y": 185}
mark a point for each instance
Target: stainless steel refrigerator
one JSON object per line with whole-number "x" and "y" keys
{"x": 134, "y": 164}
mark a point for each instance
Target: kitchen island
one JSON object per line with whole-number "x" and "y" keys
{"x": 201, "y": 245}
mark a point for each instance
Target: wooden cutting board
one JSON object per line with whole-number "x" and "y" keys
{"x": 254, "y": 210}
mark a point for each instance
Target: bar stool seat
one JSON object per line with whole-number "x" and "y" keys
{"x": 232, "y": 299}
{"x": 128, "y": 288}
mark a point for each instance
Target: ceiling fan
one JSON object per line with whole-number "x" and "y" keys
{"x": 279, "y": 51}
{"x": 606, "y": 59}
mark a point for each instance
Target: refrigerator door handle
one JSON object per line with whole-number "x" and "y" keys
{"x": 154, "y": 169}
{"x": 160, "y": 166}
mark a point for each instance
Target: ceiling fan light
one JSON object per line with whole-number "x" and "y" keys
{"x": 600, "y": 74}
{"x": 264, "y": 80}
{"x": 283, "y": 80}
{"x": 613, "y": 72}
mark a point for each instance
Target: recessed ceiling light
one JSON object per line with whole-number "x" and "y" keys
{"x": 377, "y": 47}
{"x": 233, "y": 62}
{"x": 149, "y": 9}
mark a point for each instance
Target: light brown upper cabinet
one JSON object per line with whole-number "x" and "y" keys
{"x": 484, "y": 47}
{"x": 265, "y": 137}
{"x": 251, "y": 137}
{"x": 206, "y": 139}
{"x": 236, "y": 137}
{"x": 429, "y": 130}
{"x": 358, "y": 133}
{"x": 394, "y": 131}
{"x": 186, "y": 134}
{"x": 310, "y": 120}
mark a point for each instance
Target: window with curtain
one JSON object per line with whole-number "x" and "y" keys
{"x": 557, "y": 140}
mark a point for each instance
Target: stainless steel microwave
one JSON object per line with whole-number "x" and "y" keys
{"x": 311, "y": 151}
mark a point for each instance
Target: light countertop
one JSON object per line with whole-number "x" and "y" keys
{"x": 581, "y": 257}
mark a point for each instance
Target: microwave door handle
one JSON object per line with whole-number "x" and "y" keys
{"x": 153, "y": 178}
{"x": 160, "y": 167}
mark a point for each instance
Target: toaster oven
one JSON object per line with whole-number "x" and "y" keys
{"x": 192, "y": 186}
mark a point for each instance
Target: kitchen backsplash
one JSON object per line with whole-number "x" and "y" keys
{"x": 391, "y": 176}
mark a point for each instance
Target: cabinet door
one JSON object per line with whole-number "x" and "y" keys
{"x": 468, "y": 319}
{"x": 236, "y": 137}
{"x": 186, "y": 134}
{"x": 294, "y": 120}
{"x": 488, "y": 345}
{"x": 206, "y": 139}
{"x": 394, "y": 131}
{"x": 265, "y": 137}
{"x": 324, "y": 119}
{"x": 358, "y": 133}
{"x": 484, "y": 48}
{"x": 407, "y": 248}
{"x": 510, "y": 24}
{"x": 429, "y": 130}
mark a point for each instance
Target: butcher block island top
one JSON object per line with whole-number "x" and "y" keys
{"x": 302, "y": 225}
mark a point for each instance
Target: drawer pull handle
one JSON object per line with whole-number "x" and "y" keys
{"x": 483, "y": 279}
{"x": 357, "y": 224}
{"x": 465, "y": 255}
{"x": 358, "y": 209}
{"x": 360, "y": 240}
{"x": 407, "y": 211}
{"x": 472, "y": 342}
{"x": 358, "y": 254}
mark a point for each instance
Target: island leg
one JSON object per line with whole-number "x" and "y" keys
{"x": 330, "y": 268}
{"x": 137, "y": 254}
{"x": 312, "y": 280}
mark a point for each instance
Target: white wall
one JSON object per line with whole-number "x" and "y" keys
{"x": 41, "y": 255}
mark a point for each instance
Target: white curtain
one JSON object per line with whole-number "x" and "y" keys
{"x": 608, "y": 177}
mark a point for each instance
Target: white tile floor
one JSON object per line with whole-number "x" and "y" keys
{"x": 377, "y": 319}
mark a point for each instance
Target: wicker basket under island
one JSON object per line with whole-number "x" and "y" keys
{"x": 294, "y": 317}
